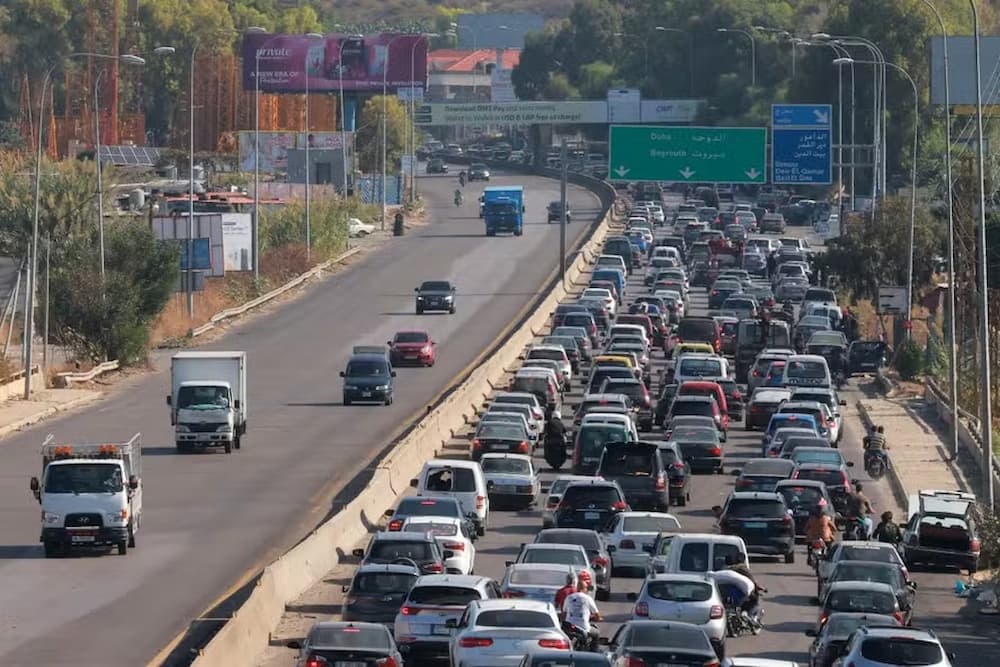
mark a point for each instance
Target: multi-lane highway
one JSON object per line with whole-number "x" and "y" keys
{"x": 789, "y": 605}
{"x": 211, "y": 518}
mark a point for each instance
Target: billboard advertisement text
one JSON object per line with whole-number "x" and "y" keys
{"x": 362, "y": 63}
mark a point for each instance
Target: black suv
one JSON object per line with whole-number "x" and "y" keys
{"x": 369, "y": 378}
{"x": 589, "y": 504}
{"x": 437, "y": 166}
{"x": 762, "y": 520}
{"x": 555, "y": 212}
{"x": 639, "y": 470}
{"x": 479, "y": 172}
{"x": 435, "y": 295}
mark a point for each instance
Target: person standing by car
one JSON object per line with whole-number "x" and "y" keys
{"x": 461, "y": 178}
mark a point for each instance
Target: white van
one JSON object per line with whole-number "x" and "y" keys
{"x": 806, "y": 370}
{"x": 700, "y": 366}
{"x": 694, "y": 552}
{"x": 463, "y": 480}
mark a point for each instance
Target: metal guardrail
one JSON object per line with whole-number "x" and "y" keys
{"x": 71, "y": 377}
{"x": 969, "y": 428}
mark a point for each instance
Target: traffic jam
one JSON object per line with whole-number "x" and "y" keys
{"x": 664, "y": 466}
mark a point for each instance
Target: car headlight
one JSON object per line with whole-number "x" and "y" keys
{"x": 224, "y": 428}
{"x": 116, "y": 517}
{"x": 382, "y": 387}
{"x": 181, "y": 428}
{"x": 449, "y": 297}
{"x": 50, "y": 518}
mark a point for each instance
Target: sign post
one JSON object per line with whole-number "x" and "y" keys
{"x": 801, "y": 144}
{"x": 688, "y": 154}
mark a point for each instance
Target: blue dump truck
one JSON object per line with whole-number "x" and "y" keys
{"x": 503, "y": 209}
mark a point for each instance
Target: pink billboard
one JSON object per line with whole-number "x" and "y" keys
{"x": 363, "y": 63}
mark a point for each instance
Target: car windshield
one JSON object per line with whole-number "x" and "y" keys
{"x": 622, "y": 463}
{"x": 874, "y": 554}
{"x": 390, "y": 550}
{"x": 700, "y": 367}
{"x": 878, "y": 602}
{"x": 383, "y": 583}
{"x": 444, "y": 596}
{"x": 435, "y": 286}
{"x": 901, "y": 651}
{"x": 537, "y": 576}
{"x": 681, "y": 639}
{"x": 801, "y": 496}
{"x": 506, "y": 465}
{"x": 514, "y": 618}
{"x": 419, "y": 506}
{"x": 768, "y": 509}
{"x": 202, "y": 398}
{"x": 679, "y": 591}
{"x": 349, "y": 637}
{"x": 367, "y": 369}
{"x": 84, "y": 478}
{"x": 411, "y": 337}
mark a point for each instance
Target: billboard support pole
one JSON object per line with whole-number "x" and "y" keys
{"x": 256, "y": 172}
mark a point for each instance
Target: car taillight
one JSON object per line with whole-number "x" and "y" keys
{"x": 553, "y": 503}
{"x": 315, "y": 661}
{"x": 559, "y": 644}
{"x": 395, "y": 524}
{"x": 387, "y": 662}
{"x": 406, "y": 610}
{"x": 475, "y": 642}
{"x": 974, "y": 546}
{"x": 476, "y": 444}
{"x": 600, "y": 562}
{"x": 715, "y": 292}
{"x": 620, "y": 505}
{"x": 480, "y": 502}
{"x": 824, "y": 617}
{"x": 523, "y": 447}
{"x": 513, "y": 594}
{"x": 898, "y": 615}
{"x": 716, "y": 612}
{"x": 743, "y": 483}
{"x": 435, "y": 567}
{"x": 627, "y": 544}
{"x": 641, "y": 609}
{"x": 787, "y": 520}
{"x": 454, "y": 546}
{"x": 715, "y": 451}
{"x": 711, "y": 663}
{"x": 737, "y": 395}
{"x": 756, "y": 374}
{"x": 844, "y": 480}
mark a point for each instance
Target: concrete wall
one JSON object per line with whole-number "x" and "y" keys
{"x": 246, "y": 635}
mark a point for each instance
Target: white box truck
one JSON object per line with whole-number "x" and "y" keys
{"x": 208, "y": 399}
{"x": 91, "y": 495}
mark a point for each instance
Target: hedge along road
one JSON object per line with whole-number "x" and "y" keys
{"x": 211, "y": 518}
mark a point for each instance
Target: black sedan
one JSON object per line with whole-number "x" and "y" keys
{"x": 437, "y": 166}
{"x": 479, "y": 172}
{"x": 377, "y": 591}
{"x": 662, "y": 642}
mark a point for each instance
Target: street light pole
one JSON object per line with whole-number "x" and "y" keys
{"x": 413, "y": 128}
{"x": 753, "y": 51}
{"x": 256, "y": 152}
{"x": 305, "y": 73}
{"x": 385, "y": 112}
{"x": 343, "y": 108}
{"x": 690, "y": 39}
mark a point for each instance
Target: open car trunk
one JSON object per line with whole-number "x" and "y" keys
{"x": 944, "y": 533}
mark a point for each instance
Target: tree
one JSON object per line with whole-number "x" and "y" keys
{"x": 110, "y": 319}
{"x": 369, "y": 134}
{"x": 530, "y": 76}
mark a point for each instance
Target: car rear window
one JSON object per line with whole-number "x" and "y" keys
{"x": 795, "y": 496}
{"x": 593, "y": 437}
{"x": 862, "y": 571}
{"x": 514, "y": 618}
{"x": 879, "y": 602}
{"x": 349, "y": 637}
{"x": 681, "y": 639}
{"x": 411, "y": 337}
{"x": 806, "y": 369}
{"x": 506, "y": 465}
{"x": 455, "y": 480}
{"x": 417, "y": 506}
{"x": 450, "y": 596}
{"x": 628, "y": 464}
{"x": 586, "y": 539}
{"x": 554, "y": 355}
{"x": 633, "y": 390}
{"x": 580, "y": 496}
{"x": 679, "y": 591}
{"x": 649, "y": 524}
{"x": 828, "y": 477}
{"x": 693, "y": 408}
{"x": 393, "y": 549}
{"x": 383, "y": 583}
{"x": 901, "y": 651}
{"x": 874, "y": 554}
{"x": 697, "y": 329}
{"x": 554, "y": 557}
{"x": 436, "y": 529}
{"x": 537, "y": 576}
{"x": 768, "y": 509}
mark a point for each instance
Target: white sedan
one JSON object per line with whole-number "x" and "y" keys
{"x": 631, "y": 535}
{"x": 498, "y": 633}
{"x": 357, "y": 228}
{"x": 603, "y": 295}
{"x": 459, "y": 553}
{"x": 510, "y": 478}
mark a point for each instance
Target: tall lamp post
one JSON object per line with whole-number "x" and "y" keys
{"x": 784, "y": 34}
{"x": 913, "y": 178}
{"x": 690, "y": 38}
{"x": 952, "y": 333}
{"x": 425, "y": 37}
{"x": 385, "y": 111}
{"x": 32, "y": 281}
{"x": 343, "y": 109}
{"x": 753, "y": 51}
{"x": 305, "y": 74}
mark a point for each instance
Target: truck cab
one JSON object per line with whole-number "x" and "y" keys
{"x": 208, "y": 401}
{"x": 91, "y": 495}
{"x": 503, "y": 209}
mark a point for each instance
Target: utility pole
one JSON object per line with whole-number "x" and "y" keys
{"x": 563, "y": 159}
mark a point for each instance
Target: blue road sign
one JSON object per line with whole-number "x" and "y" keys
{"x": 801, "y": 144}
{"x": 202, "y": 254}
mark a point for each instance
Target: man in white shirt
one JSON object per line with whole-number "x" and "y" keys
{"x": 579, "y": 608}
{"x": 743, "y": 591}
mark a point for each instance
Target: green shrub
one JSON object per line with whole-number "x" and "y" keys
{"x": 909, "y": 360}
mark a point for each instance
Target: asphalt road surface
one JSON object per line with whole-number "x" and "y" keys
{"x": 210, "y": 518}
{"x": 789, "y": 607}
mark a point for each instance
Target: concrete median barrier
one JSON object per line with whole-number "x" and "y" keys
{"x": 246, "y": 634}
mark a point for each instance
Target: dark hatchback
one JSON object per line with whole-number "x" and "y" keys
{"x": 589, "y": 504}
{"x": 340, "y": 643}
{"x": 662, "y": 643}
{"x": 700, "y": 446}
{"x": 763, "y": 474}
{"x": 803, "y": 497}
{"x": 762, "y": 520}
{"x": 639, "y": 470}
{"x": 376, "y": 592}
{"x": 435, "y": 295}
{"x": 369, "y": 378}
{"x": 830, "y": 641}
{"x": 865, "y": 356}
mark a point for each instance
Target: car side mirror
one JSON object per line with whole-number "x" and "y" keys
{"x": 342, "y": 374}
{"x": 294, "y": 643}
{"x": 170, "y": 400}
{"x": 36, "y": 489}
{"x": 416, "y": 289}
{"x": 344, "y": 589}
{"x": 811, "y": 632}
{"x": 951, "y": 655}
{"x": 388, "y": 513}
{"x": 631, "y": 597}
{"x": 490, "y": 485}
{"x": 388, "y": 342}
{"x": 717, "y": 511}
{"x": 133, "y": 482}
{"x": 392, "y": 373}
{"x": 508, "y": 563}
{"x": 612, "y": 548}
{"x": 912, "y": 584}
{"x": 414, "y": 483}
{"x": 471, "y": 515}
{"x": 358, "y": 553}
{"x": 850, "y": 464}
{"x": 842, "y": 402}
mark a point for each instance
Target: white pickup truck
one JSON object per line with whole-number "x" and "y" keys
{"x": 208, "y": 399}
{"x": 91, "y": 495}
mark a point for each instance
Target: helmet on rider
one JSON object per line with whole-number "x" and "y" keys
{"x": 857, "y": 487}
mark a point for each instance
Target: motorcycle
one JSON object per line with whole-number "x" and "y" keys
{"x": 739, "y": 622}
{"x": 555, "y": 452}
{"x": 815, "y": 553}
{"x": 855, "y": 529}
{"x": 875, "y": 464}
{"x": 580, "y": 640}
{"x": 461, "y": 179}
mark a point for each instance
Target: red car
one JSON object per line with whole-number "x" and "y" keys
{"x": 412, "y": 347}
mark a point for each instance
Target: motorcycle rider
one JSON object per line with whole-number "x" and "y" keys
{"x": 887, "y": 530}
{"x": 742, "y": 589}
{"x": 736, "y": 563}
{"x": 578, "y": 609}
{"x": 820, "y": 527}
{"x": 459, "y": 198}
{"x": 555, "y": 440}
{"x": 461, "y": 178}
{"x": 858, "y": 507}
{"x": 875, "y": 445}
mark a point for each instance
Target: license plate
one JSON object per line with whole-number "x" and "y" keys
{"x": 441, "y": 630}
{"x": 670, "y": 664}
{"x": 591, "y": 516}
{"x": 366, "y": 394}
{"x": 349, "y": 663}
{"x": 755, "y": 524}
{"x": 83, "y": 538}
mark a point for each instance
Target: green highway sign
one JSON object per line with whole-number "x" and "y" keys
{"x": 693, "y": 154}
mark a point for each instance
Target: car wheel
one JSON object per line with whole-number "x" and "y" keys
{"x": 347, "y": 399}
{"x": 603, "y": 596}
{"x": 122, "y": 548}
{"x": 720, "y": 470}
{"x": 51, "y": 549}
{"x": 681, "y": 501}
{"x": 420, "y": 310}
{"x": 388, "y": 400}
{"x": 452, "y": 310}
{"x": 790, "y": 557}
{"x": 131, "y": 538}
{"x": 228, "y": 447}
